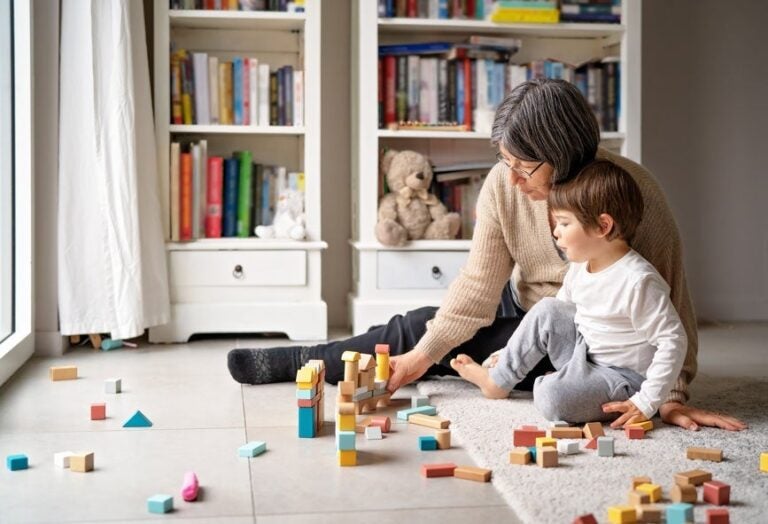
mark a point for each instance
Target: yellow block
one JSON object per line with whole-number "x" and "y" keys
{"x": 646, "y": 425}
{"x": 307, "y": 374}
{"x": 304, "y": 385}
{"x": 653, "y": 491}
{"x": 622, "y": 515}
{"x": 764, "y": 462}
{"x": 63, "y": 372}
{"x": 350, "y": 356}
{"x": 546, "y": 441}
{"x": 382, "y": 366}
{"x": 347, "y": 458}
{"x": 345, "y": 422}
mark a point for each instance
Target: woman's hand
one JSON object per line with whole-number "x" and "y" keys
{"x": 630, "y": 413}
{"x": 691, "y": 418}
{"x": 404, "y": 369}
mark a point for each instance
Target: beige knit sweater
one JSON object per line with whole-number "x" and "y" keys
{"x": 513, "y": 238}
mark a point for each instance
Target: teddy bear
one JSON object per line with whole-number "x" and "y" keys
{"x": 289, "y": 221}
{"x": 409, "y": 211}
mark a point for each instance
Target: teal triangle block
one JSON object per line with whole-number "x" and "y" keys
{"x": 138, "y": 420}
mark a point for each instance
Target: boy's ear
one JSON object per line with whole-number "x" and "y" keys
{"x": 606, "y": 224}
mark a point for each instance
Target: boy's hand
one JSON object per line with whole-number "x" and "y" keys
{"x": 692, "y": 418}
{"x": 406, "y": 368}
{"x": 630, "y": 413}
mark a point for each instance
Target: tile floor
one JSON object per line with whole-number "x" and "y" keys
{"x": 201, "y": 416}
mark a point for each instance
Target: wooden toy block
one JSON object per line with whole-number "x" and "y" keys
{"x": 365, "y": 379}
{"x": 17, "y": 462}
{"x": 252, "y": 449}
{"x": 303, "y": 403}
{"x": 593, "y": 430}
{"x": 430, "y": 421}
{"x": 622, "y": 515}
{"x": 589, "y": 518}
{"x": 634, "y": 433}
{"x": 711, "y": 454}
{"x": 546, "y": 442}
{"x": 520, "y": 456}
{"x": 438, "y": 470}
{"x": 592, "y": 444}
{"x": 190, "y": 487}
{"x": 559, "y": 424}
{"x": 113, "y": 385}
{"x": 350, "y": 356}
{"x": 533, "y": 450}
{"x": 160, "y": 504}
{"x": 605, "y": 447}
{"x": 345, "y": 440}
{"x": 636, "y": 481}
{"x": 649, "y": 513}
{"x": 567, "y": 448}
{"x": 427, "y": 443}
{"x": 95, "y": 340}
{"x": 717, "y": 516}
{"x": 306, "y": 377}
{"x": 685, "y": 493}
{"x": 635, "y": 498}
{"x": 764, "y": 462}
{"x": 403, "y": 414}
{"x": 546, "y": 457}
{"x": 381, "y": 349}
{"x": 472, "y": 473}
{"x": 382, "y": 365}
{"x": 306, "y": 423}
{"x": 569, "y": 432}
{"x": 443, "y": 437}
{"x": 717, "y": 493}
{"x": 647, "y": 425}
{"x": 361, "y": 425}
{"x": 367, "y": 362}
{"x": 347, "y": 387}
{"x": 345, "y": 422}
{"x": 62, "y": 372}
{"x": 138, "y": 420}
{"x": 351, "y": 372}
{"x": 61, "y": 459}
{"x": 81, "y": 462}
{"x": 526, "y": 436}
{"x": 345, "y": 408}
{"x": 383, "y": 422}
{"x": 347, "y": 458}
{"x": 361, "y": 392}
{"x": 419, "y": 400}
{"x": 695, "y": 477}
{"x": 679, "y": 513}
{"x": 373, "y": 433}
{"x": 98, "y": 411}
{"x": 653, "y": 490}
{"x": 305, "y": 394}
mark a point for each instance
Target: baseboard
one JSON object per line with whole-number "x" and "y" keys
{"x": 49, "y": 344}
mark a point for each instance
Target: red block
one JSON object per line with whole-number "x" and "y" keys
{"x": 438, "y": 470}
{"x": 592, "y": 444}
{"x": 308, "y": 403}
{"x": 526, "y": 437}
{"x": 634, "y": 433}
{"x": 382, "y": 348}
{"x": 585, "y": 519}
{"x": 718, "y": 516}
{"x": 716, "y": 492}
{"x": 98, "y": 411}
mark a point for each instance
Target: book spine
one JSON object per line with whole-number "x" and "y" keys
{"x": 253, "y": 91}
{"x": 229, "y": 224}
{"x": 288, "y": 94}
{"x": 196, "y": 175}
{"x": 402, "y": 88}
{"x": 244, "y": 195}
{"x": 281, "y": 96}
{"x": 202, "y": 187}
{"x": 298, "y": 98}
{"x": 264, "y": 95}
{"x": 442, "y": 90}
{"x": 175, "y": 194}
{"x": 246, "y": 91}
{"x": 423, "y": 97}
{"x": 433, "y": 92}
{"x": 185, "y": 197}
{"x": 460, "y": 92}
{"x": 176, "y": 94}
{"x": 257, "y": 182}
{"x": 267, "y": 183}
{"x": 381, "y": 91}
{"x": 213, "y": 88}
{"x": 201, "y": 87}
{"x": 273, "y": 114}
{"x": 225, "y": 93}
{"x": 413, "y": 88}
{"x": 390, "y": 91}
{"x": 468, "y": 99}
{"x": 215, "y": 196}
{"x": 237, "y": 90}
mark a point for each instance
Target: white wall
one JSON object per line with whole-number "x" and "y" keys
{"x": 705, "y": 112}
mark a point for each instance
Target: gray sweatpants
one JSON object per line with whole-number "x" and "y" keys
{"x": 575, "y": 392}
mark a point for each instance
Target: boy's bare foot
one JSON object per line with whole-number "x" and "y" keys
{"x": 478, "y": 375}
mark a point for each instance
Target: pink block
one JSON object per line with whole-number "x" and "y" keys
{"x": 383, "y": 422}
{"x": 189, "y": 487}
{"x": 716, "y": 492}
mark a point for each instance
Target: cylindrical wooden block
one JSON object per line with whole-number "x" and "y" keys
{"x": 345, "y": 408}
{"x": 683, "y": 493}
{"x": 350, "y": 372}
{"x": 443, "y": 437}
{"x": 382, "y": 366}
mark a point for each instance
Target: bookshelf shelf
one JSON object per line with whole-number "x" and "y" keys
{"x": 562, "y": 30}
{"x": 200, "y": 19}
{"x": 237, "y": 130}
{"x": 244, "y": 244}
{"x": 417, "y": 245}
{"x": 472, "y": 135}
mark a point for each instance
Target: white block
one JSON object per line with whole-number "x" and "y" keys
{"x": 559, "y": 424}
{"x": 113, "y": 385}
{"x": 373, "y": 433}
{"x": 419, "y": 400}
{"x": 379, "y": 384}
{"x": 61, "y": 459}
{"x": 567, "y": 447}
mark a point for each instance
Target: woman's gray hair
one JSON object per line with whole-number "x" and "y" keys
{"x": 548, "y": 120}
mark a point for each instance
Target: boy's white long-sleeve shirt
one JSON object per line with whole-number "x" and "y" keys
{"x": 627, "y": 319}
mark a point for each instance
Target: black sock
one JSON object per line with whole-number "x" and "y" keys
{"x": 267, "y": 365}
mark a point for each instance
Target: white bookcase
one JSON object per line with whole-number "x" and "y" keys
{"x": 237, "y": 285}
{"x": 388, "y": 281}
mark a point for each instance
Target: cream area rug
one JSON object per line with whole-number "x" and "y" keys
{"x": 585, "y": 483}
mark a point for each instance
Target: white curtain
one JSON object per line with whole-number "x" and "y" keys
{"x": 112, "y": 270}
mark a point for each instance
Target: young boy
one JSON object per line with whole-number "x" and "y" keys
{"x": 611, "y": 333}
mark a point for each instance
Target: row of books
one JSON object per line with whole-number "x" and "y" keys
{"x": 600, "y": 11}
{"x": 244, "y": 91}
{"x": 213, "y": 196}
{"x": 241, "y": 5}
{"x": 444, "y": 9}
{"x": 458, "y": 187}
{"x": 433, "y": 90}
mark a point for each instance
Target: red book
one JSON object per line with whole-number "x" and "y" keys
{"x": 412, "y": 11}
{"x": 390, "y": 90}
{"x": 215, "y": 185}
{"x": 468, "y": 93}
{"x": 185, "y": 203}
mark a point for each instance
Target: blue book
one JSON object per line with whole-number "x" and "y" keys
{"x": 237, "y": 90}
{"x": 231, "y": 180}
{"x": 423, "y": 48}
{"x": 460, "y": 92}
{"x": 442, "y": 9}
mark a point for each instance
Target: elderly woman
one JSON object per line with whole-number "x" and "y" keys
{"x": 545, "y": 133}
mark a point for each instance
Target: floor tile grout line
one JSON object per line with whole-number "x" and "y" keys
{"x": 388, "y": 510}
{"x": 245, "y": 438}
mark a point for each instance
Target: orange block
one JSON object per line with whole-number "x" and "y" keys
{"x": 634, "y": 433}
{"x": 472, "y": 473}
{"x": 98, "y": 411}
{"x": 438, "y": 470}
{"x": 526, "y": 436}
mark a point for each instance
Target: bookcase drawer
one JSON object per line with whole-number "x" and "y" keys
{"x": 238, "y": 268}
{"x": 418, "y": 269}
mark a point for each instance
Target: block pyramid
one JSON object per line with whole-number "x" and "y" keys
{"x": 138, "y": 420}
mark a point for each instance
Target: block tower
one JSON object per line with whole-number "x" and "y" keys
{"x": 346, "y": 409}
{"x": 310, "y": 380}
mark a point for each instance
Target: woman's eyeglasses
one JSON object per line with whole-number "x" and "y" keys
{"x": 516, "y": 170}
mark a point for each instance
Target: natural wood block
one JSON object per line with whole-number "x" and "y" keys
{"x": 362, "y": 424}
{"x": 472, "y": 473}
{"x": 351, "y": 372}
{"x": 683, "y": 493}
{"x": 98, "y": 411}
{"x": 438, "y": 470}
{"x": 636, "y": 498}
{"x": 636, "y": 481}
{"x": 443, "y": 437}
{"x": 649, "y": 513}
{"x": 520, "y": 456}
{"x": 711, "y": 454}
{"x": 81, "y": 462}
{"x": 622, "y": 515}
{"x": 561, "y": 432}
{"x": 345, "y": 408}
{"x": 718, "y": 516}
{"x": 593, "y": 430}
{"x": 695, "y": 477}
{"x": 716, "y": 492}
{"x": 62, "y": 372}
{"x": 350, "y": 356}
{"x": 653, "y": 490}
{"x": 366, "y": 362}
{"x": 430, "y": 421}
{"x": 347, "y": 387}
{"x": 546, "y": 457}
{"x": 95, "y": 340}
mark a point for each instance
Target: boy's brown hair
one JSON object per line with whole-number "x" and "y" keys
{"x": 601, "y": 187}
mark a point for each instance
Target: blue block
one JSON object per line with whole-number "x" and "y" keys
{"x": 138, "y": 420}
{"x": 252, "y": 449}
{"x": 306, "y": 394}
{"x": 345, "y": 440}
{"x": 605, "y": 446}
{"x": 680, "y": 513}
{"x": 160, "y": 503}
{"x": 427, "y": 443}
{"x": 307, "y": 422}
{"x": 403, "y": 414}
{"x": 17, "y": 462}
{"x": 532, "y": 449}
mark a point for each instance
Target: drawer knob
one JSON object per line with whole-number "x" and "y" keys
{"x": 238, "y": 272}
{"x": 436, "y": 273}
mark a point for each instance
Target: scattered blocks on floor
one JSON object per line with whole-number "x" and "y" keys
{"x": 567, "y": 448}
{"x": 138, "y": 420}
{"x": 427, "y": 443}
{"x": 546, "y": 457}
{"x": 190, "y": 487}
{"x": 653, "y": 490}
{"x": 373, "y": 433}
{"x": 684, "y": 493}
{"x": 81, "y": 462}
{"x": 113, "y": 385}
{"x": 593, "y": 430}
{"x": 634, "y": 432}
{"x": 345, "y": 422}
{"x": 695, "y": 477}
{"x": 716, "y": 492}
{"x": 533, "y": 451}
{"x": 546, "y": 442}
{"x": 711, "y": 454}
{"x": 636, "y": 498}
{"x": 382, "y": 362}
{"x": 345, "y": 440}
{"x": 404, "y": 414}
{"x": 592, "y": 444}
{"x": 62, "y": 372}
{"x": 649, "y": 513}
{"x": 636, "y": 481}
{"x": 443, "y": 437}
{"x": 383, "y": 422}
{"x": 252, "y": 449}
{"x": 472, "y": 473}
{"x": 61, "y": 459}
{"x": 605, "y": 447}
{"x": 307, "y": 424}
{"x": 622, "y": 515}
{"x": 679, "y": 513}
{"x": 521, "y": 456}
{"x": 558, "y": 424}
{"x": 419, "y": 400}
{"x": 347, "y": 457}
{"x": 160, "y": 503}
{"x": 565, "y": 432}
{"x": 764, "y": 462}
{"x": 430, "y": 421}
{"x": 647, "y": 425}
{"x": 585, "y": 519}
{"x": 17, "y": 462}
{"x": 526, "y": 436}
{"x": 98, "y": 411}
{"x": 438, "y": 470}
{"x": 718, "y": 516}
